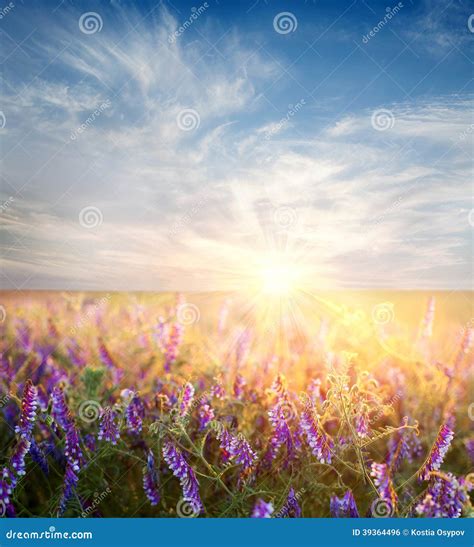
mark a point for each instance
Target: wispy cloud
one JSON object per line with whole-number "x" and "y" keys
{"x": 193, "y": 206}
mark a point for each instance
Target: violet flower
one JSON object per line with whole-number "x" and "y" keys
{"x": 404, "y": 445}
{"x": 29, "y": 405}
{"x": 38, "y": 456}
{"x": 470, "y": 448}
{"x": 281, "y": 432}
{"x": 445, "y": 498}
{"x": 72, "y": 449}
{"x": 172, "y": 346}
{"x": 362, "y": 425}
{"x": 217, "y": 390}
{"x": 384, "y": 484}
{"x": 7, "y": 485}
{"x": 344, "y": 507}
{"x": 17, "y": 460}
{"x": 262, "y": 510}
{"x": 206, "y": 415}
{"x": 239, "y": 384}
{"x": 69, "y": 487}
{"x": 105, "y": 356}
{"x": 466, "y": 343}
{"x": 438, "y": 452}
{"x": 236, "y": 448}
{"x": 108, "y": 429}
{"x": 150, "y": 480}
{"x": 291, "y": 508}
{"x": 59, "y": 409}
{"x": 187, "y": 396}
{"x": 134, "y": 414}
{"x": 319, "y": 442}
{"x": 184, "y": 472}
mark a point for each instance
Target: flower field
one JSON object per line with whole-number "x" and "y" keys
{"x": 212, "y": 405}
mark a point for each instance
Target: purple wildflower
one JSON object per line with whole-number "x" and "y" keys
{"x": 404, "y": 445}
{"x": 438, "y": 452}
{"x": 445, "y": 498}
{"x": 134, "y": 414}
{"x": 89, "y": 441}
{"x": 236, "y": 448}
{"x": 319, "y": 442}
{"x": 184, "y": 472}
{"x": 108, "y": 430}
{"x": 262, "y": 510}
{"x": 23, "y": 335}
{"x": 362, "y": 425}
{"x": 239, "y": 384}
{"x": 150, "y": 480}
{"x": 278, "y": 416}
{"x": 172, "y": 346}
{"x": 187, "y": 396}
{"x": 7, "y": 485}
{"x": 69, "y": 487}
{"x": 105, "y": 356}
{"x": 29, "y": 405}
{"x": 344, "y": 507}
{"x": 217, "y": 390}
{"x": 206, "y": 415}
{"x": 291, "y": 508}
{"x": 384, "y": 484}
{"x": 18, "y": 457}
{"x": 314, "y": 390}
{"x": 72, "y": 450}
{"x": 59, "y": 409}
{"x": 470, "y": 448}
{"x": 161, "y": 333}
{"x": 38, "y": 456}
{"x": 466, "y": 343}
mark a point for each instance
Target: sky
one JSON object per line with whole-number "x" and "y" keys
{"x": 175, "y": 145}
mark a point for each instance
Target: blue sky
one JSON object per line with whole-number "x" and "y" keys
{"x": 169, "y": 145}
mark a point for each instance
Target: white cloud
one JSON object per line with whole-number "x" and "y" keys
{"x": 387, "y": 208}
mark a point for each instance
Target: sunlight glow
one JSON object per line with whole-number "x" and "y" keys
{"x": 278, "y": 278}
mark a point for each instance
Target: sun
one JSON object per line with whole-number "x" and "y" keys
{"x": 277, "y": 277}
